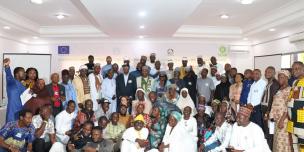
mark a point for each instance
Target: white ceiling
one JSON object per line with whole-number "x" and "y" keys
{"x": 165, "y": 19}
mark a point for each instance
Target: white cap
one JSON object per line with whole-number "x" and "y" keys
{"x": 83, "y": 67}
{"x": 153, "y": 54}
{"x": 199, "y": 56}
{"x": 170, "y": 61}
{"x": 184, "y": 59}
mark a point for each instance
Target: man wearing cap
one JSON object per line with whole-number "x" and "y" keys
{"x": 95, "y": 80}
{"x": 218, "y": 66}
{"x": 255, "y": 97}
{"x": 135, "y": 138}
{"x": 125, "y": 85}
{"x": 107, "y": 67}
{"x": 71, "y": 73}
{"x": 104, "y": 110}
{"x": 170, "y": 71}
{"x": 144, "y": 81}
{"x": 246, "y": 135}
{"x": 126, "y": 61}
{"x": 81, "y": 84}
{"x": 200, "y": 65}
{"x": 151, "y": 64}
{"x": 182, "y": 69}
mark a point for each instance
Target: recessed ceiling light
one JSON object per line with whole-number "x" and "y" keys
{"x": 246, "y": 2}
{"x": 142, "y": 27}
{"x": 224, "y": 16}
{"x": 142, "y": 14}
{"x": 35, "y": 37}
{"x": 141, "y": 37}
{"x": 36, "y": 1}
{"x": 272, "y": 29}
{"x": 6, "y": 27}
{"x": 61, "y": 16}
{"x": 245, "y": 39}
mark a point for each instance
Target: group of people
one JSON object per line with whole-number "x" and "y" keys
{"x": 207, "y": 107}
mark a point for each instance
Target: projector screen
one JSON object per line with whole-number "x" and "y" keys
{"x": 262, "y": 62}
{"x": 42, "y": 62}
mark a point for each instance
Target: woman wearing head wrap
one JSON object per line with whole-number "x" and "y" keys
{"x": 203, "y": 125}
{"x": 185, "y": 100}
{"x": 279, "y": 114}
{"x": 135, "y": 138}
{"x": 171, "y": 95}
{"x": 190, "y": 123}
{"x": 176, "y": 138}
{"x": 140, "y": 97}
{"x": 158, "y": 127}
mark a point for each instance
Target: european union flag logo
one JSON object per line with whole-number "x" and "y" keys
{"x": 63, "y": 49}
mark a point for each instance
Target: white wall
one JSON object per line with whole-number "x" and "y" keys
{"x": 133, "y": 50}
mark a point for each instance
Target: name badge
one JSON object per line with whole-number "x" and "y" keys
{"x": 207, "y": 84}
{"x": 130, "y": 81}
{"x": 189, "y": 83}
{"x": 19, "y": 135}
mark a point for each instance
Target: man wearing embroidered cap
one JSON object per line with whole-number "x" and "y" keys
{"x": 182, "y": 69}
{"x": 135, "y": 138}
{"x": 246, "y": 135}
{"x": 170, "y": 71}
{"x": 152, "y": 62}
{"x": 200, "y": 65}
{"x": 82, "y": 87}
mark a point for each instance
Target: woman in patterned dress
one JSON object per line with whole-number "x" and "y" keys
{"x": 279, "y": 114}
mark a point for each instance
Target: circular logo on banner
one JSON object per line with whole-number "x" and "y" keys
{"x": 223, "y": 51}
{"x": 170, "y": 52}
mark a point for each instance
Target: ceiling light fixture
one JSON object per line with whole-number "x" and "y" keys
{"x": 224, "y": 16}
{"x": 272, "y": 30}
{"x": 6, "y": 27}
{"x": 245, "y": 39}
{"x": 36, "y": 1}
{"x": 142, "y": 14}
{"x": 35, "y": 37}
{"x": 61, "y": 16}
{"x": 141, "y": 37}
{"x": 142, "y": 27}
{"x": 246, "y": 2}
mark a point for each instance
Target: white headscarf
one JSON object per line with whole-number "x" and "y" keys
{"x": 184, "y": 102}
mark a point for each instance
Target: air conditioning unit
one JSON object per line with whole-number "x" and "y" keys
{"x": 296, "y": 38}
{"x": 239, "y": 49}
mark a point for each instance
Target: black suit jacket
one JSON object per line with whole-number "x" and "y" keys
{"x": 125, "y": 90}
{"x": 49, "y": 87}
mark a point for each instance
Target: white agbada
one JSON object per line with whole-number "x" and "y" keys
{"x": 191, "y": 127}
{"x": 95, "y": 93}
{"x": 184, "y": 102}
{"x": 221, "y": 134}
{"x": 179, "y": 139}
{"x": 108, "y": 90}
{"x": 129, "y": 136}
{"x": 63, "y": 123}
{"x": 250, "y": 138}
